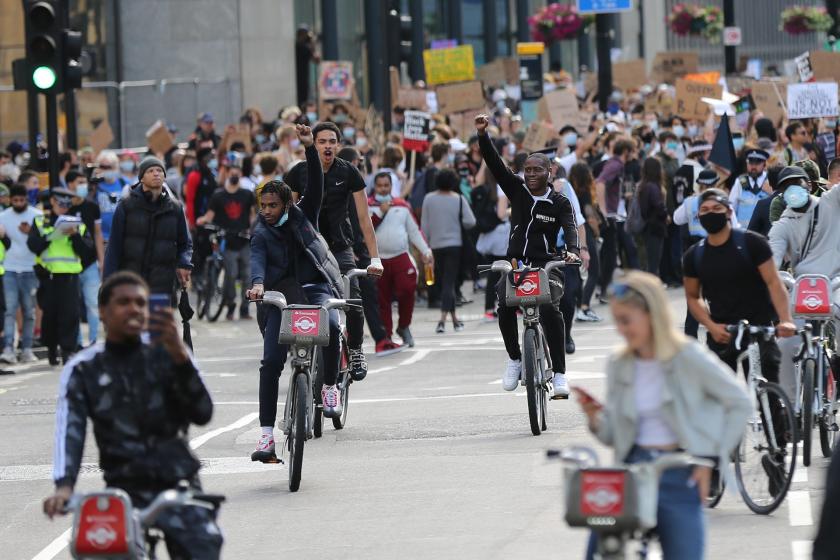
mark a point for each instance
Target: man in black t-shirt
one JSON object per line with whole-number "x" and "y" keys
{"x": 342, "y": 182}
{"x": 234, "y": 209}
{"x": 734, "y": 269}
{"x": 91, "y": 277}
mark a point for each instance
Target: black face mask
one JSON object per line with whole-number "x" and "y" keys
{"x": 233, "y": 179}
{"x": 713, "y": 222}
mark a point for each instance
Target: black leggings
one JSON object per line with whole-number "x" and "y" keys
{"x": 609, "y": 253}
{"x": 355, "y": 316}
{"x": 594, "y": 267}
{"x": 447, "y": 271}
{"x": 567, "y": 302}
{"x": 551, "y": 320}
{"x": 493, "y": 278}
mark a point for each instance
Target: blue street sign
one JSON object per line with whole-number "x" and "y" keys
{"x": 603, "y": 6}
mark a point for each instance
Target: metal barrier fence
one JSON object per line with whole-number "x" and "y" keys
{"x": 132, "y": 107}
{"x": 759, "y": 22}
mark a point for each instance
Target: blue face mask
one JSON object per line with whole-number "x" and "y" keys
{"x": 260, "y": 138}
{"x": 738, "y": 143}
{"x": 213, "y": 165}
{"x": 313, "y": 117}
{"x": 382, "y": 198}
{"x": 796, "y": 196}
{"x": 679, "y": 130}
{"x": 349, "y": 132}
{"x": 111, "y": 176}
{"x": 450, "y": 158}
{"x": 692, "y": 130}
{"x": 82, "y": 190}
{"x": 672, "y": 146}
{"x": 570, "y": 138}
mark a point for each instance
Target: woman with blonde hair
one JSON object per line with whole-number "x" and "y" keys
{"x": 666, "y": 393}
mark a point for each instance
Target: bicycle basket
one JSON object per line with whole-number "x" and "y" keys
{"x": 812, "y": 296}
{"x": 103, "y": 527}
{"x": 305, "y": 324}
{"x": 529, "y": 288}
{"x": 603, "y": 499}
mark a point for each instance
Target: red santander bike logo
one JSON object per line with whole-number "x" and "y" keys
{"x": 602, "y": 493}
{"x": 813, "y": 296}
{"x": 530, "y": 286}
{"x": 305, "y": 322}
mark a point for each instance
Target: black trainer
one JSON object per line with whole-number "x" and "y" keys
{"x": 570, "y": 345}
{"x": 405, "y": 334}
{"x": 357, "y": 364}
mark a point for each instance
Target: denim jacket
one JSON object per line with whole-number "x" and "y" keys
{"x": 702, "y": 402}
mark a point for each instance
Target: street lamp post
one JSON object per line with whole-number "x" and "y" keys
{"x": 729, "y": 21}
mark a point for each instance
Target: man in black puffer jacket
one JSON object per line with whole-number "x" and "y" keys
{"x": 149, "y": 233}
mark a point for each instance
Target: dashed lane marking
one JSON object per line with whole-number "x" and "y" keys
{"x": 799, "y": 508}
{"x": 801, "y": 550}
{"x": 197, "y": 442}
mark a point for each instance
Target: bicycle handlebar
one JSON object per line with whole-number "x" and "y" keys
{"x": 505, "y": 267}
{"x": 744, "y": 327}
{"x": 278, "y": 300}
{"x": 585, "y": 457}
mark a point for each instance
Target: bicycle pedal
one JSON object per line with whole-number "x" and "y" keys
{"x": 560, "y": 397}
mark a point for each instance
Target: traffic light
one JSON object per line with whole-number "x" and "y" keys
{"x": 71, "y": 67}
{"x": 44, "y": 42}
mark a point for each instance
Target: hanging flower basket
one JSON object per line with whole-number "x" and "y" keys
{"x": 557, "y": 22}
{"x": 805, "y": 19}
{"x": 696, "y": 21}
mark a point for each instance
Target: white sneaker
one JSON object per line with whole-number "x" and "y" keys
{"x": 561, "y": 386}
{"x": 28, "y": 356}
{"x": 8, "y": 356}
{"x": 510, "y": 379}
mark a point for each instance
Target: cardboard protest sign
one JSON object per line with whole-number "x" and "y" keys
{"x": 631, "y": 74}
{"x": 158, "y": 138}
{"x": 768, "y": 100}
{"x": 803, "y": 67}
{"x": 511, "y": 65}
{"x": 463, "y": 124}
{"x": 668, "y": 66}
{"x": 559, "y": 107}
{"x": 825, "y": 66}
{"x": 538, "y": 135}
{"x": 828, "y": 142}
{"x": 240, "y": 133}
{"x": 416, "y": 131}
{"x": 335, "y": 80}
{"x": 455, "y": 98}
{"x": 444, "y": 66}
{"x": 412, "y": 98}
{"x": 688, "y": 101}
{"x": 816, "y": 99}
{"x": 101, "y": 137}
{"x": 703, "y": 77}
{"x": 493, "y": 73}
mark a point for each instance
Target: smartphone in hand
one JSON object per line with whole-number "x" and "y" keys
{"x": 585, "y": 396}
{"x": 158, "y": 302}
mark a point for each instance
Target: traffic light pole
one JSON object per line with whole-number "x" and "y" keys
{"x": 32, "y": 118}
{"x": 603, "y": 44}
{"x": 70, "y": 114}
{"x": 729, "y": 21}
{"x": 52, "y": 137}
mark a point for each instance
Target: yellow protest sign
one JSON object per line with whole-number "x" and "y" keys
{"x": 443, "y": 66}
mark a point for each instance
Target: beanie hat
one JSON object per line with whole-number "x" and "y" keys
{"x": 147, "y": 164}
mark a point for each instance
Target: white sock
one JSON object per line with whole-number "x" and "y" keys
{"x": 267, "y": 430}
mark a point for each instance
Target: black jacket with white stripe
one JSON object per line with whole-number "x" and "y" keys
{"x": 141, "y": 405}
{"x": 535, "y": 220}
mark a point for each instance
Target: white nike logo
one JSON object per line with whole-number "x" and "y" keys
{"x": 337, "y": 183}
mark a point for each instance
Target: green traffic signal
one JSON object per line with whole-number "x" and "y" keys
{"x": 43, "y": 77}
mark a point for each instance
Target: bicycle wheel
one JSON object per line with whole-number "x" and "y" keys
{"x": 544, "y": 390}
{"x": 297, "y": 432}
{"x": 716, "y": 492}
{"x": 533, "y": 385}
{"x": 828, "y": 415}
{"x": 215, "y": 290}
{"x": 807, "y": 409}
{"x": 344, "y": 382}
{"x": 763, "y": 470}
{"x": 317, "y": 383}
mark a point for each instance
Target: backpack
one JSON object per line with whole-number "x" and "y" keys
{"x": 484, "y": 209}
{"x": 418, "y": 191}
{"x": 739, "y": 237}
{"x": 635, "y": 222}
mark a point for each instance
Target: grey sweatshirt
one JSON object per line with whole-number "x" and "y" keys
{"x": 440, "y": 218}
{"x": 788, "y": 234}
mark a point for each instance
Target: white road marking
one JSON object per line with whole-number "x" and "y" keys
{"x": 197, "y": 442}
{"x": 52, "y": 549}
{"x": 799, "y": 508}
{"x": 377, "y": 401}
{"x": 416, "y": 357}
{"x": 801, "y": 550}
{"x": 380, "y": 370}
{"x": 800, "y": 474}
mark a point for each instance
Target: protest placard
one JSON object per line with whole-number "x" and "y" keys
{"x": 158, "y": 138}
{"x": 463, "y": 124}
{"x": 815, "y": 99}
{"x": 416, "y": 131}
{"x": 825, "y": 66}
{"x": 768, "y": 100}
{"x": 670, "y": 65}
{"x": 803, "y": 67}
{"x": 413, "y": 98}
{"x": 688, "y": 100}
{"x": 703, "y": 77}
{"x": 455, "y": 98}
{"x": 511, "y": 65}
{"x": 335, "y": 80}
{"x": 239, "y": 133}
{"x": 538, "y": 135}
{"x": 493, "y": 73}
{"x": 444, "y": 66}
{"x": 827, "y": 141}
{"x": 631, "y": 74}
{"x": 101, "y": 137}
{"x": 559, "y": 107}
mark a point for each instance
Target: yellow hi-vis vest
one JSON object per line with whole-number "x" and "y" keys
{"x": 59, "y": 258}
{"x": 2, "y": 259}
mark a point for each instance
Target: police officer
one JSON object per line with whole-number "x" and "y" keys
{"x": 750, "y": 187}
{"x": 60, "y": 252}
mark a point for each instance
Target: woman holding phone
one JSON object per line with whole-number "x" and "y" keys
{"x": 666, "y": 393}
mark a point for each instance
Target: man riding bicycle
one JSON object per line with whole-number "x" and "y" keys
{"x": 141, "y": 398}
{"x": 290, "y": 256}
{"x": 537, "y": 214}
{"x": 807, "y": 235}
{"x": 343, "y": 188}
